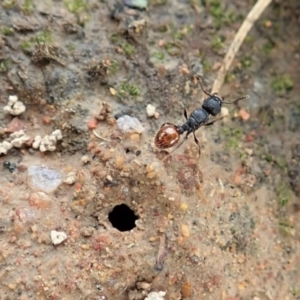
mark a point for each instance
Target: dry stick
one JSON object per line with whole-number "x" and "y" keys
{"x": 253, "y": 15}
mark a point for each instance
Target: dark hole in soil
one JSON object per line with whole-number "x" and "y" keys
{"x": 122, "y": 217}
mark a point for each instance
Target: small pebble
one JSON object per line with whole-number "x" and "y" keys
{"x": 244, "y": 114}
{"x": 185, "y": 231}
{"x": 113, "y": 92}
{"x": 135, "y": 137}
{"x": 43, "y": 179}
{"x": 85, "y": 159}
{"x": 224, "y": 112}
{"x": 57, "y": 237}
{"x": 92, "y": 124}
{"x": 150, "y": 110}
{"x": 156, "y": 296}
{"x": 249, "y": 151}
{"x": 143, "y": 285}
{"x": 140, "y": 4}
{"x": 119, "y": 162}
{"x": 183, "y": 206}
{"x": 109, "y": 178}
{"x": 128, "y": 124}
{"x": 71, "y": 178}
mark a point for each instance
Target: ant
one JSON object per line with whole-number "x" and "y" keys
{"x": 169, "y": 134}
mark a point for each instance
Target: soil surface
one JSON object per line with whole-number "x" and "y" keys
{"x": 90, "y": 209}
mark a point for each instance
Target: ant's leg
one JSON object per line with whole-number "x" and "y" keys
{"x": 185, "y": 114}
{"x": 197, "y": 142}
{"x": 212, "y": 122}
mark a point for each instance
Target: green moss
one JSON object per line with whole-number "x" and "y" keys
{"x": 282, "y": 83}
{"x": 8, "y": 4}
{"x": 229, "y": 77}
{"x": 158, "y": 2}
{"x": 26, "y": 45}
{"x": 285, "y": 227}
{"x": 114, "y": 67}
{"x": 78, "y": 8}
{"x": 71, "y": 47}
{"x": 220, "y": 15}
{"x": 246, "y": 61}
{"x": 42, "y": 37}
{"x": 183, "y": 32}
{"x": 268, "y": 157}
{"x": 296, "y": 292}
{"x": 232, "y": 137}
{"x": 128, "y": 89}
{"x": 7, "y": 31}
{"x": 4, "y": 65}
{"x": 27, "y": 7}
{"x": 283, "y": 194}
{"x": 172, "y": 49}
{"x": 217, "y": 42}
{"x": 267, "y": 48}
{"x": 127, "y": 48}
{"x": 159, "y": 55}
{"x": 115, "y": 38}
{"x": 75, "y": 6}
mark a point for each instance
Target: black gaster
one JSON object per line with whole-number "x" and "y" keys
{"x": 197, "y": 118}
{"x": 212, "y": 105}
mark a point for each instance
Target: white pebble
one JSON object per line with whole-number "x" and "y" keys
{"x": 85, "y": 159}
{"x": 156, "y": 296}
{"x": 57, "y": 237}
{"x": 224, "y": 112}
{"x": 129, "y": 124}
{"x": 71, "y": 178}
{"x": 151, "y": 110}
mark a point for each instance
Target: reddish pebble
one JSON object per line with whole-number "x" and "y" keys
{"x": 46, "y": 120}
{"x": 92, "y": 124}
{"x": 244, "y": 114}
{"x": 15, "y": 125}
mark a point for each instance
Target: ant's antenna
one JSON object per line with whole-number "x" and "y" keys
{"x": 241, "y": 98}
{"x": 213, "y": 95}
{"x": 198, "y": 78}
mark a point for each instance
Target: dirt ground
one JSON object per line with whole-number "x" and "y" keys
{"x": 222, "y": 226}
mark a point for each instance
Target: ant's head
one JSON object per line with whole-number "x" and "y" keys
{"x": 213, "y": 103}
{"x": 167, "y": 136}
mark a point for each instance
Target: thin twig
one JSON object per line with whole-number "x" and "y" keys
{"x": 100, "y": 137}
{"x": 252, "y": 16}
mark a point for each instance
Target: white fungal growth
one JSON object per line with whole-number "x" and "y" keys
{"x": 4, "y": 147}
{"x": 14, "y": 106}
{"x": 19, "y": 138}
{"x": 48, "y": 142}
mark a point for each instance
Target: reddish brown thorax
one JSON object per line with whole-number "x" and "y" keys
{"x": 167, "y": 136}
